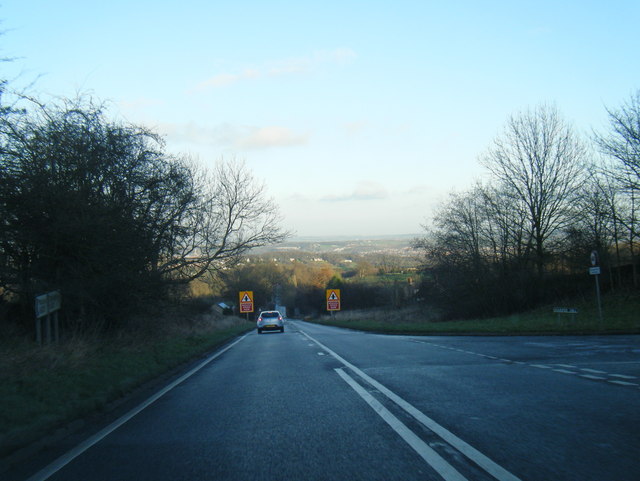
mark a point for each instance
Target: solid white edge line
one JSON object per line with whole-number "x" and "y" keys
{"x": 469, "y": 451}
{"x": 66, "y": 458}
{"x": 433, "y": 459}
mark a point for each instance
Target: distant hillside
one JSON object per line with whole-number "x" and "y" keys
{"x": 386, "y": 254}
{"x": 365, "y": 246}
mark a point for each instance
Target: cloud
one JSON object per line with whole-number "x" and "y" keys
{"x": 354, "y": 128}
{"x": 364, "y": 191}
{"x": 237, "y": 137}
{"x": 286, "y": 66}
{"x": 273, "y": 136}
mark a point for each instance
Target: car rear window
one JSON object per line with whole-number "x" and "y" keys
{"x": 269, "y": 314}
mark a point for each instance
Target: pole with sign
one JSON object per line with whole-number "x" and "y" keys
{"x": 333, "y": 300}
{"x": 246, "y": 302}
{"x": 594, "y": 270}
{"x": 47, "y": 306}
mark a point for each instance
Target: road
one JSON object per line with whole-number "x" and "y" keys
{"x": 324, "y": 403}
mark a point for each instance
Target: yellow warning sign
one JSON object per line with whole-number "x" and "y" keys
{"x": 333, "y": 299}
{"x": 246, "y": 301}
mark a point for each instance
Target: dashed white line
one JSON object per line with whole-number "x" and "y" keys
{"x": 540, "y": 366}
{"x": 623, "y": 376}
{"x": 594, "y": 374}
{"x": 623, "y": 383}
{"x": 594, "y": 371}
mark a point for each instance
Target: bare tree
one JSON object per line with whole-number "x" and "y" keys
{"x": 622, "y": 145}
{"x": 539, "y": 161}
{"x": 230, "y": 216}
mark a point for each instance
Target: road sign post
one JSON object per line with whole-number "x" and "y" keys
{"x": 594, "y": 270}
{"x": 246, "y": 302}
{"x": 333, "y": 300}
{"x": 47, "y": 306}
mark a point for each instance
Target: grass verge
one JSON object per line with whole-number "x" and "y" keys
{"x": 45, "y": 388}
{"x": 620, "y": 314}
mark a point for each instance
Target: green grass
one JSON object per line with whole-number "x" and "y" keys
{"x": 44, "y": 388}
{"x": 621, "y": 314}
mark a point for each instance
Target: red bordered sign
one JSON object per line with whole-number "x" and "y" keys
{"x": 246, "y": 301}
{"x": 333, "y": 299}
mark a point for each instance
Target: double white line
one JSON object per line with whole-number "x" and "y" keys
{"x": 437, "y": 462}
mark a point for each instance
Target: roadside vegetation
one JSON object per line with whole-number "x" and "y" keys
{"x": 619, "y": 316}
{"x": 551, "y": 201}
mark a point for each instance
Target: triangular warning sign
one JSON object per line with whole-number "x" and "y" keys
{"x": 332, "y": 296}
{"x": 246, "y": 298}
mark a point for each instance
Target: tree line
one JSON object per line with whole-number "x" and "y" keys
{"x": 524, "y": 235}
{"x": 98, "y": 209}
{"x": 301, "y": 286}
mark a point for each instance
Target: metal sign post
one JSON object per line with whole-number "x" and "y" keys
{"x": 48, "y": 305}
{"x": 594, "y": 270}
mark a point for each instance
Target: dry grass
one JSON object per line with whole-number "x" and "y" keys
{"x": 404, "y": 315}
{"x": 619, "y": 316}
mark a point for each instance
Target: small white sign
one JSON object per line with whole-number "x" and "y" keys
{"x": 594, "y": 271}
{"x": 48, "y": 303}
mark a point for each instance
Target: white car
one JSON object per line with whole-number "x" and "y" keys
{"x": 270, "y": 321}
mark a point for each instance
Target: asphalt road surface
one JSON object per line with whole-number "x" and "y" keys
{"x": 322, "y": 403}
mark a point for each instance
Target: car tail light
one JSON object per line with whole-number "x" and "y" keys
{"x": 259, "y": 319}
{"x": 279, "y": 318}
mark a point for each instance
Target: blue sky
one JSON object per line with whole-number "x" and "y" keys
{"x": 359, "y": 116}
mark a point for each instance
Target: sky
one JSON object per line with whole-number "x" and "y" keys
{"x": 360, "y": 117}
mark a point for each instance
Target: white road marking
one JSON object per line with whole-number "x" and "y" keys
{"x": 552, "y": 366}
{"x": 623, "y": 383}
{"x": 594, "y": 371}
{"x": 623, "y": 376}
{"x": 321, "y": 354}
{"x": 432, "y": 458}
{"x": 469, "y": 451}
{"x": 65, "y": 459}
